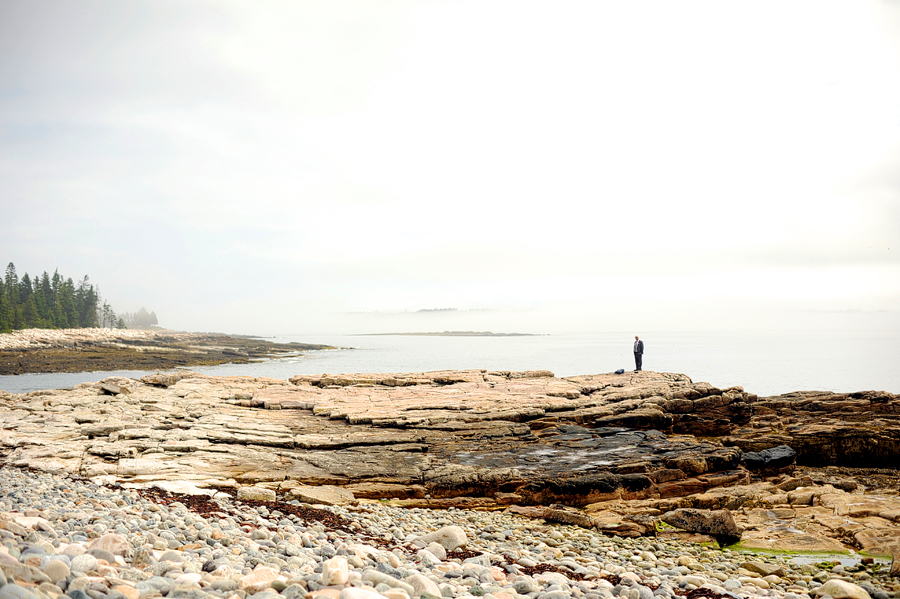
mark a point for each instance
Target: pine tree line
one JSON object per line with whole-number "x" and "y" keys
{"x": 51, "y": 302}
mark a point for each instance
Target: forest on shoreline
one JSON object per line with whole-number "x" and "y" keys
{"x": 55, "y": 302}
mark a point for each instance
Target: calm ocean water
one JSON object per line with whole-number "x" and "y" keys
{"x": 763, "y": 363}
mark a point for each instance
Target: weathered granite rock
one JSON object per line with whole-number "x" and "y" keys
{"x": 848, "y": 429}
{"x": 256, "y": 494}
{"x": 323, "y": 494}
{"x": 717, "y": 523}
{"x": 764, "y": 568}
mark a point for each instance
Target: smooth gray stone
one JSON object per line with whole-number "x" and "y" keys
{"x": 14, "y": 591}
{"x": 225, "y": 584}
{"x": 172, "y": 556}
{"x": 294, "y": 591}
{"x": 83, "y": 563}
{"x": 56, "y": 570}
{"x": 23, "y": 572}
{"x": 524, "y": 585}
{"x": 103, "y": 554}
{"x": 186, "y": 591}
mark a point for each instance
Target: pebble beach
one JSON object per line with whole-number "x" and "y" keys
{"x": 64, "y": 536}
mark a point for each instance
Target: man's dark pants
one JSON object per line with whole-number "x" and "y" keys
{"x": 637, "y": 360}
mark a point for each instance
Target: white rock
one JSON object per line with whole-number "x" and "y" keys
{"x": 437, "y": 551}
{"x": 256, "y": 494}
{"x": 357, "y": 593}
{"x": 261, "y": 578}
{"x": 449, "y": 537}
{"x": 335, "y": 571}
{"x": 83, "y": 563}
{"x": 192, "y": 578}
{"x": 114, "y": 543}
{"x": 422, "y": 584}
{"x": 840, "y": 589}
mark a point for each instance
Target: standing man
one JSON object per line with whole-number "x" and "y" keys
{"x": 638, "y": 353}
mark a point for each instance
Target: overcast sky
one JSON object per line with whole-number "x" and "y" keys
{"x": 325, "y": 167}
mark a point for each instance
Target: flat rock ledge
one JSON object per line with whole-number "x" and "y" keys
{"x": 615, "y": 452}
{"x": 90, "y": 349}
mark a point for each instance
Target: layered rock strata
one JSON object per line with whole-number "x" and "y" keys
{"x": 446, "y": 434}
{"x": 824, "y": 428}
{"x": 452, "y": 438}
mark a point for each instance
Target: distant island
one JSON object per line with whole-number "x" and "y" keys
{"x": 456, "y": 334}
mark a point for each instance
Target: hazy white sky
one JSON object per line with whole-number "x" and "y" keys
{"x": 317, "y": 167}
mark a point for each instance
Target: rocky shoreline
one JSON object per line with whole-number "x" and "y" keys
{"x": 69, "y": 536}
{"x": 498, "y": 484}
{"x": 85, "y": 350}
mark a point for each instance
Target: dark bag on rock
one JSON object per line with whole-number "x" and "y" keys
{"x": 620, "y": 371}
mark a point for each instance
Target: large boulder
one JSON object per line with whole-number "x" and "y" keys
{"x": 323, "y": 494}
{"x": 774, "y": 457}
{"x": 717, "y": 523}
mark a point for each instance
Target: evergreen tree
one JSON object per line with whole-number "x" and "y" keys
{"x": 69, "y": 308}
{"x": 30, "y": 315}
{"x": 86, "y": 304}
{"x": 11, "y": 287}
{"x": 52, "y": 302}
{"x": 58, "y": 316}
{"x": 5, "y": 322}
{"x": 11, "y": 283}
{"x": 44, "y": 299}
{"x": 142, "y": 319}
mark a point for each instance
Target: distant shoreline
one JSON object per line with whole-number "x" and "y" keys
{"x": 92, "y": 349}
{"x": 450, "y": 334}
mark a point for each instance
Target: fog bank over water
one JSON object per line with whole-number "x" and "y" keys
{"x": 335, "y": 167}
{"x": 573, "y": 318}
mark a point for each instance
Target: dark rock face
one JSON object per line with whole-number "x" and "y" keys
{"x": 843, "y": 429}
{"x": 774, "y": 457}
